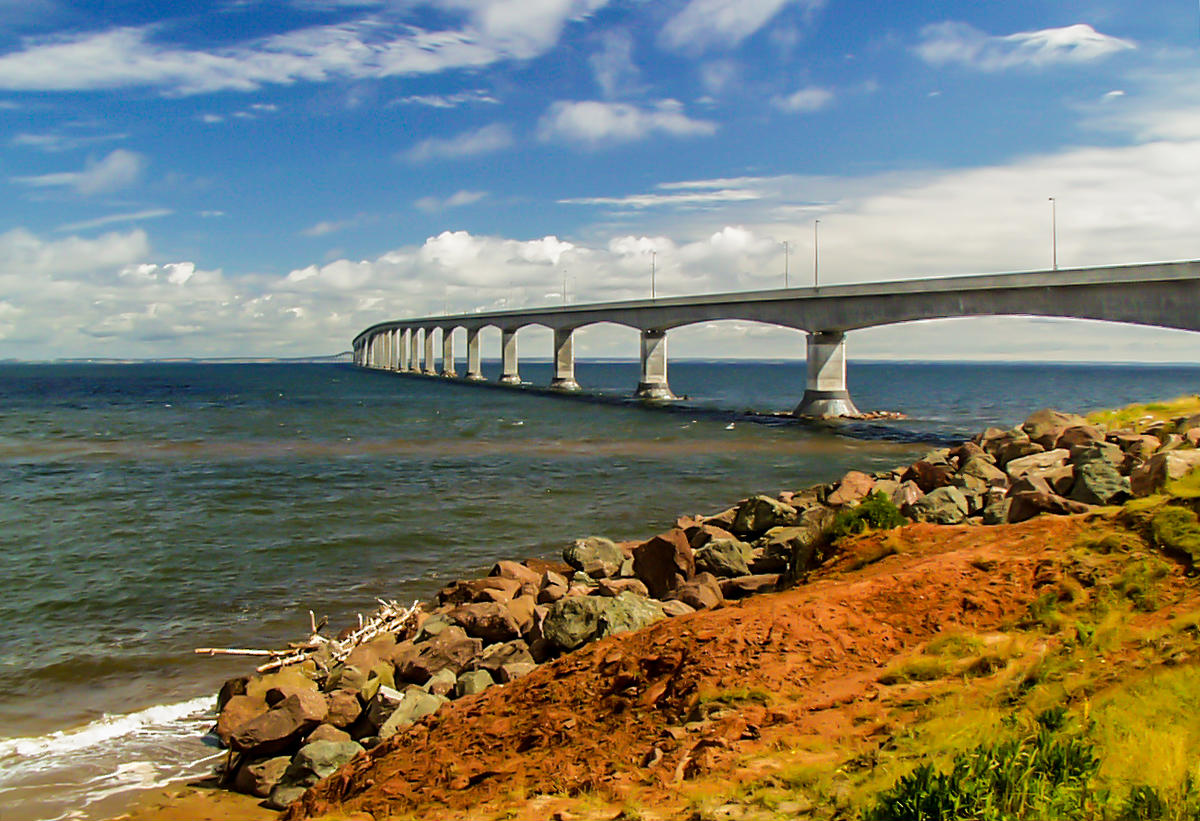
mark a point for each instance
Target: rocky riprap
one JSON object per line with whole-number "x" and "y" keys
{"x": 288, "y": 729}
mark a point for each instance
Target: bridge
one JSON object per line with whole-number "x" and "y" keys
{"x": 1163, "y": 294}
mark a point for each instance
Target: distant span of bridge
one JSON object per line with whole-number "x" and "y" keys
{"x": 1163, "y": 294}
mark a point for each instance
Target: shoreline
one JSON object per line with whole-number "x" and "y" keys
{"x": 933, "y": 489}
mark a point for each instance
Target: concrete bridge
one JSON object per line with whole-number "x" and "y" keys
{"x": 1160, "y": 294}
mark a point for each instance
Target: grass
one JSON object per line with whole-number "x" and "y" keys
{"x": 738, "y": 695}
{"x": 875, "y": 512}
{"x": 1138, "y": 416}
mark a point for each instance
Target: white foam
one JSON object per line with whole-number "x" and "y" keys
{"x": 106, "y": 729}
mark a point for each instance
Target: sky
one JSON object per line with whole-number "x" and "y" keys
{"x": 252, "y": 178}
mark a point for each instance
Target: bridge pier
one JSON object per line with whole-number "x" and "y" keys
{"x": 508, "y": 351}
{"x": 430, "y": 365}
{"x": 414, "y": 351}
{"x": 448, "y": 369}
{"x": 391, "y": 350}
{"x": 405, "y": 350}
{"x": 653, "y": 384}
{"x": 564, "y": 360}
{"x": 474, "y": 367}
{"x": 825, "y": 393}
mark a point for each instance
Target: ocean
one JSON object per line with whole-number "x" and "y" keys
{"x": 149, "y": 509}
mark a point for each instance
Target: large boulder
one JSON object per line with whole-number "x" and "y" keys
{"x": 615, "y": 587}
{"x": 854, "y": 486}
{"x": 284, "y": 724}
{"x": 553, "y": 586}
{"x": 1032, "y": 496}
{"x": 702, "y": 592}
{"x": 344, "y": 708}
{"x": 312, "y": 763}
{"x": 664, "y": 561}
{"x": 1036, "y": 463}
{"x": 488, "y": 621}
{"x": 1159, "y": 469}
{"x": 476, "y": 681}
{"x": 1080, "y": 436}
{"x": 929, "y": 475}
{"x": 498, "y": 655}
{"x": 1138, "y": 445}
{"x": 451, "y": 648}
{"x": 1017, "y": 449}
{"x": 759, "y": 514}
{"x": 627, "y": 612}
{"x": 573, "y": 622}
{"x": 237, "y": 711}
{"x": 492, "y": 588}
{"x": 943, "y": 506}
{"x": 1099, "y": 483}
{"x": 516, "y": 571}
{"x": 258, "y": 777}
{"x": 724, "y": 558}
{"x": 1045, "y": 426}
{"x": 415, "y": 705}
{"x": 984, "y": 469}
{"x": 596, "y": 556}
{"x": 744, "y": 586}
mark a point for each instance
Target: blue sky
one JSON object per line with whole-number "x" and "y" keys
{"x": 243, "y": 177}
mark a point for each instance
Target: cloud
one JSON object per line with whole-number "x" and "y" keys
{"x": 448, "y": 100}
{"x": 804, "y": 101}
{"x": 486, "y": 140}
{"x": 593, "y": 124}
{"x": 55, "y": 143}
{"x": 378, "y": 44}
{"x": 706, "y": 24}
{"x": 119, "y": 169}
{"x": 613, "y": 65}
{"x": 320, "y": 229}
{"x": 432, "y": 205}
{"x": 953, "y": 42}
{"x": 112, "y": 219}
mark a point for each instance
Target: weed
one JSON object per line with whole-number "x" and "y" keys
{"x": 958, "y": 645}
{"x": 1138, "y": 582}
{"x": 1177, "y": 531}
{"x": 738, "y": 695}
{"x": 871, "y": 553}
{"x": 875, "y": 512}
{"x": 921, "y": 668}
{"x": 1138, "y": 416}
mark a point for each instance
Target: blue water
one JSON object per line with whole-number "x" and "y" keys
{"x": 150, "y": 509}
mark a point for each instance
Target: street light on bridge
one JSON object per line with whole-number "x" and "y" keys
{"x": 785, "y": 264}
{"x": 816, "y": 252}
{"x": 1054, "y": 232}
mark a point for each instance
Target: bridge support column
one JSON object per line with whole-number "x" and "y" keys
{"x": 414, "y": 350}
{"x": 373, "y": 356}
{"x": 389, "y": 341}
{"x": 402, "y": 350}
{"x": 430, "y": 365}
{"x": 396, "y": 348}
{"x": 474, "y": 369}
{"x": 508, "y": 352}
{"x": 448, "y": 353}
{"x": 825, "y": 393}
{"x": 564, "y": 360}
{"x": 653, "y": 384}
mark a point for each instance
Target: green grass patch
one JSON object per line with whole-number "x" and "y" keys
{"x": 875, "y": 512}
{"x": 1138, "y": 416}
{"x": 920, "y": 668}
{"x": 738, "y": 695}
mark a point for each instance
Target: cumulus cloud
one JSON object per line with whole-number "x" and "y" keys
{"x": 705, "y": 24}
{"x": 458, "y": 199}
{"x": 961, "y": 43}
{"x": 613, "y": 65}
{"x": 378, "y": 44}
{"x": 592, "y": 124}
{"x": 805, "y": 100}
{"x": 119, "y": 169}
{"x": 486, "y": 140}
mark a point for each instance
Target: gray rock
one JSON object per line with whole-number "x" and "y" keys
{"x": 259, "y": 777}
{"x": 1037, "y": 463}
{"x": 312, "y": 763}
{"x": 596, "y": 556}
{"x": 441, "y": 683}
{"x": 674, "y": 607}
{"x": 996, "y": 513}
{"x": 515, "y": 670}
{"x": 1099, "y": 483}
{"x": 943, "y": 505}
{"x": 744, "y": 586}
{"x": 759, "y": 514}
{"x": 1159, "y": 469}
{"x": 498, "y": 655}
{"x": 415, "y": 705}
{"x": 724, "y": 558}
{"x": 981, "y": 468}
{"x": 476, "y": 681}
{"x": 573, "y": 622}
{"x": 629, "y": 611}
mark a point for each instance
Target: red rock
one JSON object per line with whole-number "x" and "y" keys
{"x": 1079, "y": 435}
{"x": 929, "y": 475}
{"x": 451, "y": 648}
{"x": 521, "y": 608}
{"x": 489, "y": 621}
{"x": 1150, "y": 476}
{"x": 281, "y": 726}
{"x": 663, "y": 562}
{"x": 702, "y": 592}
{"x": 344, "y": 708}
{"x": 855, "y": 485}
{"x": 615, "y": 587}
{"x": 517, "y": 572}
{"x": 474, "y": 590}
{"x": 237, "y": 711}
{"x": 1029, "y": 503}
{"x": 743, "y": 586}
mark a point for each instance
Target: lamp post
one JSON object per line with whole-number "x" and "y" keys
{"x": 785, "y": 264}
{"x": 1054, "y": 232}
{"x": 816, "y": 252}
{"x": 653, "y": 255}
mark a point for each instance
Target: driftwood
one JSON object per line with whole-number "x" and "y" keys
{"x": 391, "y": 617}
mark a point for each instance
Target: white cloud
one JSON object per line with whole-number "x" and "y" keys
{"x": 704, "y": 24}
{"x": 593, "y": 124}
{"x": 613, "y": 65}
{"x": 119, "y": 169}
{"x": 324, "y": 227}
{"x": 953, "y": 42}
{"x": 448, "y": 100}
{"x": 805, "y": 100}
{"x": 486, "y": 140}
{"x": 378, "y": 44}
{"x": 54, "y": 143}
{"x": 458, "y": 199}
{"x": 113, "y": 219}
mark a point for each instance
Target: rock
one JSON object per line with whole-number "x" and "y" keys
{"x": 1079, "y": 436}
{"x": 498, "y": 655}
{"x": 552, "y": 587}
{"x": 312, "y": 763}
{"x": 522, "y": 609}
{"x": 703, "y": 534}
{"x": 1150, "y": 476}
{"x": 258, "y": 777}
{"x": 664, "y": 561}
{"x": 996, "y": 513}
{"x": 969, "y": 450}
{"x": 1036, "y": 463}
{"x": 579, "y": 578}
{"x": 1097, "y": 452}
{"x": 702, "y": 592}
{"x": 452, "y": 648}
{"x": 1045, "y": 426}
{"x": 943, "y": 505}
{"x": 1138, "y": 445}
{"x": 615, "y": 587}
{"x": 431, "y": 627}
{"x": 627, "y": 612}
{"x": 415, "y": 705}
{"x": 232, "y": 687}
{"x": 492, "y": 588}
{"x": 759, "y": 514}
{"x": 344, "y": 708}
{"x": 984, "y": 468}
{"x": 854, "y": 486}
{"x": 281, "y": 726}
{"x": 596, "y": 556}
{"x": 1025, "y": 504}
{"x": 327, "y": 732}
{"x": 517, "y": 572}
{"x": 673, "y": 607}
{"x": 930, "y": 475}
{"x": 515, "y": 670}
{"x": 794, "y": 550}
{"x": 724, "y": 557}
{"x": 744, "y": 586}
{"x": 237, "y": 711}
{"x": 1099, "y": 483}
{"x": 473, "y": 682}
{"x": 573, "y": 622}
{"x": 381, "y": 705}
{"x": 905, "y": 494}
{"x": 442, "y": 682}
{"x": 1017, "y": 450}
{"x": 488, "y": 621}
